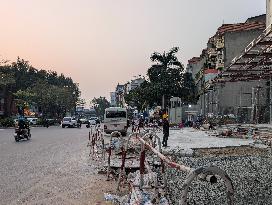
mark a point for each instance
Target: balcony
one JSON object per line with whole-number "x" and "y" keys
{"x": 212, "y": 52}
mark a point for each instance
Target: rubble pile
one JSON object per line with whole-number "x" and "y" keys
{"x": 251, "y": 174}
{"x": 137, "y": 196}
{"x": 261, "y": 134}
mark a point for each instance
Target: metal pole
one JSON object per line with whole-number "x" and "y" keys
{"x": 257, "y": 105}
{"x": 270, "y": 98}
{"x": 252, "y": 105}
{"x": 204, "y": 104}
{"x": 169, "y": 162}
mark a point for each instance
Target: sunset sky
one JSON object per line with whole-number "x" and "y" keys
{"x": 102, "y": 42}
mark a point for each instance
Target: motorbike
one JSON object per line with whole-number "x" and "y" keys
{"x": 22, "y": 134}
{"x": 78, "y": 125}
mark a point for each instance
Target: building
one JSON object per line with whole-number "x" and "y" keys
{"x": 120, "y": 95}
{"x": 234, "y": 98}
{"x": 134, "y": 84}
{"x": 113, "y": 99}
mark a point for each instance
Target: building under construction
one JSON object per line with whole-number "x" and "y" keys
{"x": 231, "y": 84}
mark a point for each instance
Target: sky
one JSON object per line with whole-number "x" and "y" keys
{"x": 100, "y": 43}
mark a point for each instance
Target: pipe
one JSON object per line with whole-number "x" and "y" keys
{"x": 165, "y": 159}
{"x": 110, "y": 152}
{"x": 207, "y": 171}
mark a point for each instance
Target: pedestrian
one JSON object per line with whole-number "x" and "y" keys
{"x": 181, "y": 125}
{"x": 165, "y": 125}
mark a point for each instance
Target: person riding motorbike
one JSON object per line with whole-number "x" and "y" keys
{"x": 23, "y": 125}
{"x": 78, "y": 123}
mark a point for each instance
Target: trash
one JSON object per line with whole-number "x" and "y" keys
{"x": 111, "y": 197}
{"x": 163, "y": 201}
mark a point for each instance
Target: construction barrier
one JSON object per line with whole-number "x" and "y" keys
{"x": 149, "y": 140}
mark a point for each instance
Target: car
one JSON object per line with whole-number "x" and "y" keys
{"x": 93, "y": 120}
{"x": 32, "y": 120}
{"x": 69, "y": 122}
{"x": 84, "y": 121}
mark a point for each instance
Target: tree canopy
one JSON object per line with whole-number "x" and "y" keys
{"x": 166, "y": 79}
{"x": 100, "y": 104}
{"x": 54, "y": 94}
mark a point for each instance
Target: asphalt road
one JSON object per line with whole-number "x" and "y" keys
{"x": 51, "y": 168}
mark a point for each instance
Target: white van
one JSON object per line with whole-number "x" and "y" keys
{"x": 115, "y": 119}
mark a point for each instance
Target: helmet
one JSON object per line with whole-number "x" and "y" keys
{"x": 165, "y": 116}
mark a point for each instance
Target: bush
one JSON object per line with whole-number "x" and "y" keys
{"x": 7, "y": 122}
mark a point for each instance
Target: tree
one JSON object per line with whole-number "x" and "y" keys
{"x": 54, "y": 94}
{"x": 165, "y": 80}
{"x": 140, "y": 97}
{"x": 100, "y": 104}
{"x": 165, "y": 76}
{"x": 189, "y": 89}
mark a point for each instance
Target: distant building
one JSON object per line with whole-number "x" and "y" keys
{"x": 120, "y": 94}
{"x": 134, "y": 84}
{"x": 83, "y": 112}
{"x": 113, "y": 99}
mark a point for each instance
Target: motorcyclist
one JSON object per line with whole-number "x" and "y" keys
{"x": 78, "y": 122}
{"x": 23, "y": 125}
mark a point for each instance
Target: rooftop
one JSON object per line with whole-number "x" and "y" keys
{"x": 240, "y": 27}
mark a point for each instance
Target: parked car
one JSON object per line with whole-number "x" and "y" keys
{"x": 84, "y": 121}
{"x": 32, "y": 120}
{"x": 69, "y": 122}
{"x": 93, "y": 120}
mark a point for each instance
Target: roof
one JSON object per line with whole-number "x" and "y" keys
{"x": 259, "y": 18}
{"x": 194, "y": 60}
{"x": 254, "y": 63}
{"x": 240, "y": 27}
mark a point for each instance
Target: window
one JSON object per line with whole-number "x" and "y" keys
{"x": 116, "y": 114}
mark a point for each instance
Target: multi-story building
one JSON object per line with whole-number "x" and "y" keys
{"x": 113, "y": 99}
{"x": 231, "y": 97}
{"x": 120, "y": 94}
{"x": 134, "y": 84}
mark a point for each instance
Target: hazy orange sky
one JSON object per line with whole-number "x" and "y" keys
{"x": 102, "y": 42}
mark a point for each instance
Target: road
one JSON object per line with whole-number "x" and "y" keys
{"x": 52, "y": 168}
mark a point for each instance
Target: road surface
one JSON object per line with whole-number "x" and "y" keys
{"x": 52, "y": 168}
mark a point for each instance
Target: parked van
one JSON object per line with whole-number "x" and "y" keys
{"x": 115, "y": 119}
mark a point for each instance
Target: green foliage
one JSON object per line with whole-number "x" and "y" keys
{"x": 100, "y": 104}
{"x": 7, "y": 122}
{"x": 140, "y": 96}
{"x": 166, "y": 78}
{"x": 189, "y": 89}
{"x": 54, "y": 94}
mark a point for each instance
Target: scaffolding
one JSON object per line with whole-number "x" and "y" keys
{"x": 253, "y": 64}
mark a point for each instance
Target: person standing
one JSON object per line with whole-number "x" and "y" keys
{"x": 165, "y": 125}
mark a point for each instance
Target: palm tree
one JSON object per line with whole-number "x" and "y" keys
{"x": 165, "y": 63}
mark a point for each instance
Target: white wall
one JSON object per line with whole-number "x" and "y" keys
{"x": 268, "y": 12}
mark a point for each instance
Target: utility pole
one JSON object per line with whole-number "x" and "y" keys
{"x": 252, "y": 105}
{"x": 270, "y": 99}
